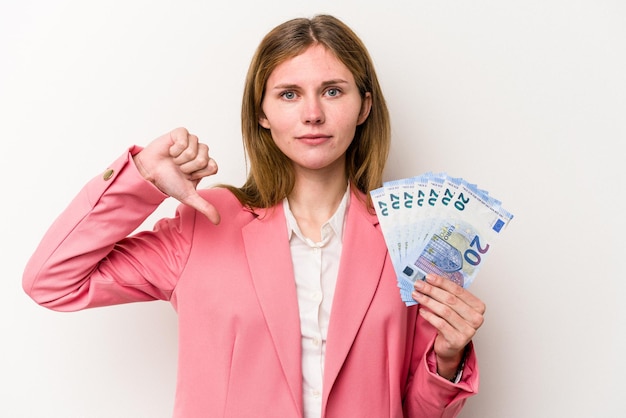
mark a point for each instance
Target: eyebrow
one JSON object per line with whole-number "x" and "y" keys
{"x": 289, "y": 86}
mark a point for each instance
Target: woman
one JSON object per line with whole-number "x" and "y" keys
{"x": 286, "y": 297}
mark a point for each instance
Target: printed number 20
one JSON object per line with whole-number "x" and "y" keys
{"x": 473, "y": 256}
{"x": 383, "y": 208}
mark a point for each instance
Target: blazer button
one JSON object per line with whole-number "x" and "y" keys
{"x": 108, "y": 174}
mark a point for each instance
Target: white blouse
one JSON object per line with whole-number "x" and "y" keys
{"x": 316, "y": 265}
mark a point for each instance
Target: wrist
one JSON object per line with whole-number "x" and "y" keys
{"x": 140, "y": 167}
{"x": 451, "y": 368}
{"x": 447, "y": 368}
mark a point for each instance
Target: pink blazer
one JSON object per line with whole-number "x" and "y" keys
{"x": 233, "y": 288}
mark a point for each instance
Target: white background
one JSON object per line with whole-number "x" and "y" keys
{"x": 526, "y": 98}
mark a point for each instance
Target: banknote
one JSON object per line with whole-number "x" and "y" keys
{"x": 436, "y": 223}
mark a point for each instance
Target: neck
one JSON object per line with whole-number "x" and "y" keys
{"x": 314, "y": 200}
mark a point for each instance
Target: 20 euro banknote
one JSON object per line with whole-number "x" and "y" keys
{"x": 438, "y": 224}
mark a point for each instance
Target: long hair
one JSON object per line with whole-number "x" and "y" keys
{"x": 271, "y": 177}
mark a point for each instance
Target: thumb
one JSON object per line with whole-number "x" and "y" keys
{"x": 195, "y": 201}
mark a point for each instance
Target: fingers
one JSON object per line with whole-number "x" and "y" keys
{"x": 449, "y": 293}
{"x": 455, "y": 312}
{"x": 180, "y": 140}
{"x": 190, "y": 155}
{"x": 196, "y": 201}
{"x": 197, "y": 165}
{"x": 175, "y": 163}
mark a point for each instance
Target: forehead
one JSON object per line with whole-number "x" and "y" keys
{"x": 315, "y": 64}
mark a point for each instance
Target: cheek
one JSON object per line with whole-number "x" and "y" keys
{"x": 280, "y": 123}
{"x": 349, "y": 122}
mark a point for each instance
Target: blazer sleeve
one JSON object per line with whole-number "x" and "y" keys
{"x": 428, "y": 394}
{"x": 87, "y": 258}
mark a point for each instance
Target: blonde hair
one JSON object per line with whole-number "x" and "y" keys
{"x": 271, "y": 177}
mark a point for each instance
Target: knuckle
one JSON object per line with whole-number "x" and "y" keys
{"x": 482, "y": 308}
{"x": 187, "y": 154}
{"x": 179, "y": 134}
{"x": 212, "y": 165}
{"x": 203, "y": 148}
{"x": 457, "y": 290}
{"x": 450, "y": 299}
{"x": 435, "y": 279}
{"x": 479, "y": 321}
{"x": 446, "y": 311}
{"x": 203, "y": 160}
{"x": 459, "y": 340}
{"x": 475, "y": 321}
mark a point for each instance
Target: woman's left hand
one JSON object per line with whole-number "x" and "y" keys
{"x": 455, "y": 313}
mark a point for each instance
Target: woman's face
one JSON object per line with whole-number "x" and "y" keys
{"x": 312, "y": 107}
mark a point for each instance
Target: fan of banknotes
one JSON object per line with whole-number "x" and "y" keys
{"x": 435, "y": 223}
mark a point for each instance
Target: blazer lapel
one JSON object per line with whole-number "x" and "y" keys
{"x": 269, "y": 257}
{"x": 362, "y": 261}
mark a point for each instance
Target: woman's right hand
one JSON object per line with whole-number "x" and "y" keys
{"x": 175, "y": 163}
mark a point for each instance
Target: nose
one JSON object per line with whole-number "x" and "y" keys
{"x": 312, "y": 112}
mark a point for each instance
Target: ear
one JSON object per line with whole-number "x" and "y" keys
{"x": 263, "y": 121}
{"x": 366, "y": 106}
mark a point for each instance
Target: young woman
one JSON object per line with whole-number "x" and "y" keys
{"x": 286, "y": 297}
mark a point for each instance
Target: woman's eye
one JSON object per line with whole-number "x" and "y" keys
{"x": 289, "y": 95}
{"x": 333, "y": 92}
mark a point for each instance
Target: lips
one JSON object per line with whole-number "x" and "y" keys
{"x": 313, "y": 139}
